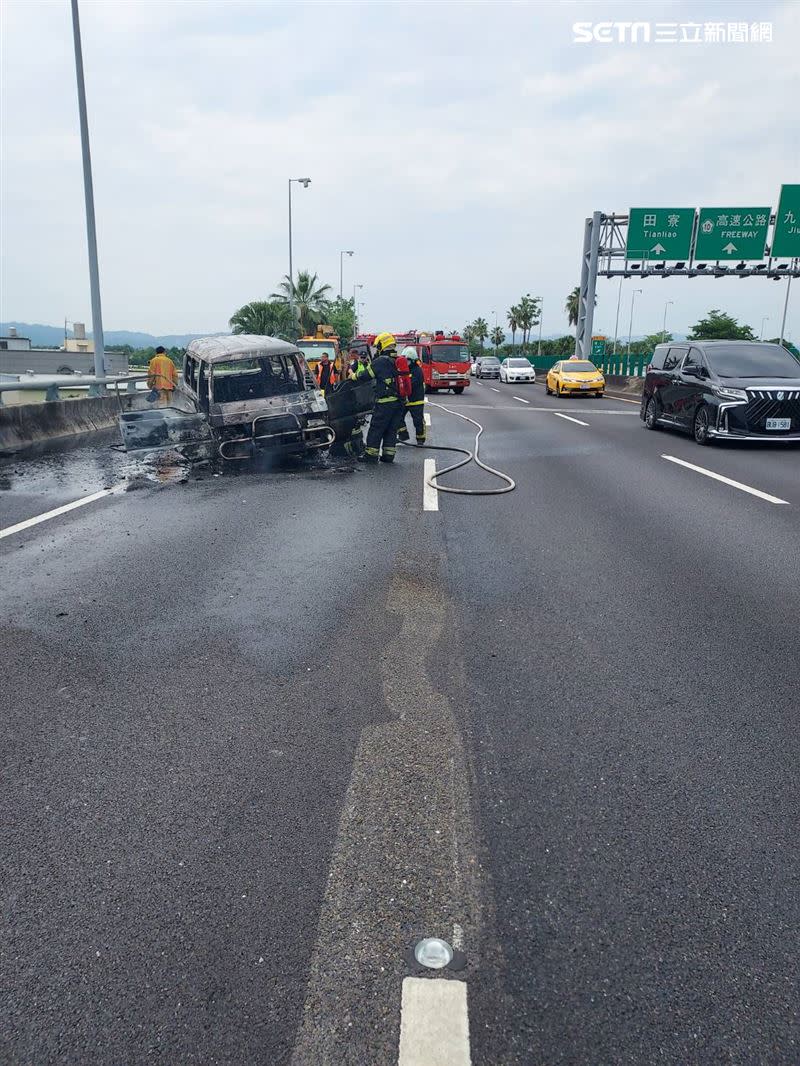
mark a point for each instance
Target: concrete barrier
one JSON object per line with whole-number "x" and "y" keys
{"x": 630, "y": 386}
{"x": 22, "y": 425}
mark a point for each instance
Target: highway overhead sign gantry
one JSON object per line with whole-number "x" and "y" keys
{"x": 731, "y": 233}
{"x": 786, "y": 235}
{"x": 659, "y": 233}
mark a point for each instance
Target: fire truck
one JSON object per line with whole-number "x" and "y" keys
{"x": 444, "y": 358}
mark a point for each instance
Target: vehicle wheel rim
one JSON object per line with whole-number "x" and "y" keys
{"x": 701, "y": 425}
{"x": 650, "y": 414}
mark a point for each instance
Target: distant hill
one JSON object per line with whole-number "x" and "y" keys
{"x": 53, "y": 336}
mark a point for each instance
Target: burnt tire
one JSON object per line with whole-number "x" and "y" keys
{"x": 701, "y": 426}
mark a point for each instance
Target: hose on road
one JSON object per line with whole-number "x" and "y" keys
{"x": 471, "y": 456}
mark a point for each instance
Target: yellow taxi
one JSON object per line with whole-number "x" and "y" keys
{"x": 573, "y": 376}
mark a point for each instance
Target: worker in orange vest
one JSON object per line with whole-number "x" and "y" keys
{"x": 326, "y": 372}
{"x": 162, "y": 376}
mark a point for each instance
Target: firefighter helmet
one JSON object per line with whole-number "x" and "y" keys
{"x": 384, "y": 342}
{"x": 410, "y": 352}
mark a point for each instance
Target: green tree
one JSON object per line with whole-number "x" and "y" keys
{"x": 497, "y": 337}
{"x": 341, "y": 314}
{"x": 719, "y": 326}
{"x": 310, "y": 298}
{"x": 647, "y": 344}
{"x": 572, "y": 304}
{"x": 528, "y": 311}
{"x": 512, "y": 317}
{"x": 480, "y": 330}
{"x": 264, "y": 318}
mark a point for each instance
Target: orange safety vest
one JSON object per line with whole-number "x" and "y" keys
{"x": 161, "y": 373}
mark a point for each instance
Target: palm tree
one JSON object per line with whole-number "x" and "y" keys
{"x": 480, "y": 330}
{"x": 497, "y": 338}
{"x": 310, "y": 298}
{"x": 527, "y": 315}
{"x": 513, "y": 322}
{"x": 572, "y": 304}
{"x": 264, "y": 318}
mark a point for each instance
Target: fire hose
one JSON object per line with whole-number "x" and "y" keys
{"x": 471, "y": 456}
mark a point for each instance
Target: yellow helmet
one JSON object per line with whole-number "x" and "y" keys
{"x": 385, "y": 341}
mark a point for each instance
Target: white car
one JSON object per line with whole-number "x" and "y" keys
{"x": 517, "y": 370}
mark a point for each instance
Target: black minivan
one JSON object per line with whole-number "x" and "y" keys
{"x": 733, "y": 390}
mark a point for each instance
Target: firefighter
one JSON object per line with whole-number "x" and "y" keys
{"x": 392, "y": 386}
{"x": 162, "y": 376}
{"x": 358, "y": 363}
{"x": 415, "y": 404}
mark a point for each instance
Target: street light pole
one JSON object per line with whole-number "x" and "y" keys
{"x": 341, "y": 272}
{"x": 539, "y": 345}
{"x": 355, "y": 309}
{"x": 664, "y": 329}
{"x": 88, "y": 193}
{"x": 764, "y": 320}
{"x": 785, "y": 307}
{"x": 630, "y": 326}
{"x": 305, "y": 182}
{"x": 616, "y": 321}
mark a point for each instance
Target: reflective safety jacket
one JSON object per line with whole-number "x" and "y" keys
{"x": 384, "y": 371}
{"x": 417, "y": 385}
{"x": 161, "y": 373}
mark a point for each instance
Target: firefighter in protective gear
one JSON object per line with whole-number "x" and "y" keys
{"x": 391, "y": 387}
{"x": 162, "y": 376}
{"x": 415, "y": 404}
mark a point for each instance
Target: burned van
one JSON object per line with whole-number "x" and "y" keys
{"x": 243, "y": 394}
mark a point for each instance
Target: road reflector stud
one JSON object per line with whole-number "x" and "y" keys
{"x": 433, "y": 953}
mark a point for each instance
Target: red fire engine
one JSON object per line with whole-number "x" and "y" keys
{"x": 444, "y": 359}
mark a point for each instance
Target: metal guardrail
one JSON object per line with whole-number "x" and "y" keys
{"x": 53, "y": 384}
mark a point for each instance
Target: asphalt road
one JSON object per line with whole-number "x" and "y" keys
{"x": 266, "y": 729}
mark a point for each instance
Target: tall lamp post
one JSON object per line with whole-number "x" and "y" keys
{"x": 88, "y": 194}
{"x": 539, "y": 345}
{"x": 764, "y": 321}
{"x": 664, "y": 327}
{"x": 616, "y": 320}
{"x": 355, "y": 309}
{"x": 785, "y": 308}
{"x": 630, "y": 326}
{"x": 341, "y": 271}
{"x": 305, "y": 182}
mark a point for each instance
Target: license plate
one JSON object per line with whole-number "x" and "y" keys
{"x": 586, "y": 386}
{"x": 779, "y": 423}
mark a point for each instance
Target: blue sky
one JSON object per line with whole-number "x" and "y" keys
{"x": 456, "y": 147}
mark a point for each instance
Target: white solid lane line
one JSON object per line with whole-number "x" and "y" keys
{"x": 521, "y": 400}
{"x": 434, "y": 1024}
{"x": 569, "y": 418}
{"x": 726, "y": 480}
{"x": 430, "y": 496}
{"x": 9, "y": 531}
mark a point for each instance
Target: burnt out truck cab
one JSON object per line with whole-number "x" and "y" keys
{"x": 242, "y": 394}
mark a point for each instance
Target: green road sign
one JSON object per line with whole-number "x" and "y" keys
{"x": 598, "y": 348}
{"x": 731, "y": 233}
{"x": 786, "y": 238}
{"x": 659, "y": 232}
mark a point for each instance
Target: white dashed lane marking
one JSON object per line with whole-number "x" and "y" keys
{"x": 20, "y": 526}
{"x": 434, "y": 1024}
{"x": 521, "y": 400}
{"x": 569, "y": 418}
{"x": 430, "y": 496}
{"x": 726, "y": 480}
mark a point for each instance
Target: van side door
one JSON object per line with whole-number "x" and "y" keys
{"x": 667, "y": 385}
{"x": 689, "y": 386}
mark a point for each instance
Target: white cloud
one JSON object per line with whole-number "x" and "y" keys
{"x": 456, "y": 147}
